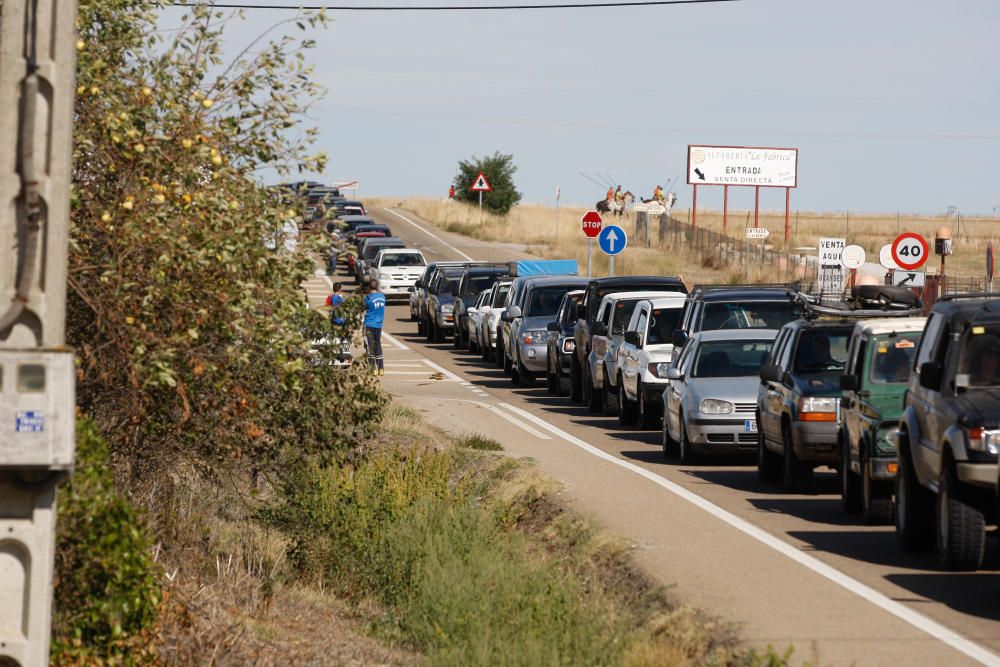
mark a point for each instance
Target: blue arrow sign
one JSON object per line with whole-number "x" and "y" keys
{"x": 612, "y": 240}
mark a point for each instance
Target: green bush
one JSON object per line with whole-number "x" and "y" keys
{"x": 106, "y": 593}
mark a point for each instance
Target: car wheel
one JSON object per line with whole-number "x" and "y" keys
{"x": 508, "y": 366}
{"x": 961, "y": 528}
{"x": 457, "y": 342}
{"x": 428, "y": 329}
{"x": 524, "y": 376}
{"x": 609, "y": 400}
{"x": 484, "y": 350}
{"x": 670, "y": 449}
{"x": 626, "y": 408}
{"x": 575, "y": 380}
{"x": 594, "y": 396}
{"x": 421, "y": 330}
{"x": 913, "y": 508}
{"x": 684, "y": 449}
{"x": 647, "y": 414}
{"x": 551, "y": 378}
{"x": 850, "y": 484}
{"x": 498, "y": 353}
{"x": 795, "y": 475}
{"x": 768, "y": 463}
{"x": 413, "y": 316}
{"x": 876, "y": 501}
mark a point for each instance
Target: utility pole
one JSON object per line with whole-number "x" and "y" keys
{"x": 37, "y": 384}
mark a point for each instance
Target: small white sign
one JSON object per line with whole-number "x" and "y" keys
{"x": 652, "y": 207}
{"x": 346, "y": 185}
{"x": 885, "y": 257}
{"x": 902, "y": 278}
{"x": 830, "y": 250}
{"x": 853, "y": 257}
{"x": 757, "y": 233}
{"x": 739, "y": 165}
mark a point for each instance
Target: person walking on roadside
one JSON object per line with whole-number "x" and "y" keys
{"x": 451, "y": 192}
{"x": 374, "y": 318}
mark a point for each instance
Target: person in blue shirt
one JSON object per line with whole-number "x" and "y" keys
{"x": 374, "y": 318}
{"x": 333, "y": 301}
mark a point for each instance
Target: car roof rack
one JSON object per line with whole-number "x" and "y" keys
{"x": 864, "y": 302}
{"x": 793, "y": 287}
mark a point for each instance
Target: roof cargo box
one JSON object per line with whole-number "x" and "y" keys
{"x": 544, "y": 267}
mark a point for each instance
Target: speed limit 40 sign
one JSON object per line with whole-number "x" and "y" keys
{"x": 909, "y": 251}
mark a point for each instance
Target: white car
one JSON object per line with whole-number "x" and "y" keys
{"x": 644, "y": 357}
{"x": 607, "y": 334}
{"x": 396, "y": 270}
{"x": 474, "y": 319}
{"x": 490, "y": 317}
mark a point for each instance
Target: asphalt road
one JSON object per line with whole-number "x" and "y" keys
{"x": 789, "y": 569}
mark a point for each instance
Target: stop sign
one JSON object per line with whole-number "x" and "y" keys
{"x": 591, "y": 223}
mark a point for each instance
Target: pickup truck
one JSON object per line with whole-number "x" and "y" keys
{"x": 396, "y": 270}
{"x": 580, "y": 374}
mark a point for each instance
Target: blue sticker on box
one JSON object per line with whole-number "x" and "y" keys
{"x": 29, "y": 421}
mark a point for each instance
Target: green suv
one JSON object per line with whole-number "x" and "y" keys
{"x": 879, "y": 358}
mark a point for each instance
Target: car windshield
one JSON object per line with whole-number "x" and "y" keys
{"x": 662, "y": 325}
{"x": 979, "y": 362}
{"x": 623, "y": 313}
{"x": 477, "y": 283}
{"x": 403, "y": 259}
{"x": 730, "y": 358}
{"x": 450, "y": 284}
{"x": 892, "y": 357}
{"x": 820, "y": 351}
{"x": 545, "y": 301}
{"x": 747, "y": 315}
{"x": 500, "y": 296}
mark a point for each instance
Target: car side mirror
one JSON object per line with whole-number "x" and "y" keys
{"x": 679, "y": 337}
{"x": 770, "y": 373}
{"x": 599, "y": 329}
{"x": 674, "y": 374}
{"x": 633, "y": 338}
{"x": 849, "y": 383}
{"x": 931, "y": 374}
{"x": 786, "y": 379}
{"x": 514, "y": 312}
{"x": 504, "y": 316}
{"x": 553, "y": 326}
{"x": 418, "y": 283}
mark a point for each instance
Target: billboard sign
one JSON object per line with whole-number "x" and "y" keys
{"x": 741, "y": 165}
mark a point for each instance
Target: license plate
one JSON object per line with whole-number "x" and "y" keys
{"x": 750, "y": 425}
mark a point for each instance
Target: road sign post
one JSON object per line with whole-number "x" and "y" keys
{"x": 612, "y": 241}
{"x": 591, "y": 224}
{"x": 989, "y": 266}
{"x": 481, "y": 185}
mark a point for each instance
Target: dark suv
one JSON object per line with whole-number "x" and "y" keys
{"x": 711, "y": 307}
{"x": 418, "y": 298}
{"x": 440, "y": 304}
{"x": 474, "y": 280}
{"x": 597, "y": 289}
{"x": 799, "y": 398}
{"x": 949, "y": 433}
{"x": 560, "y": 348}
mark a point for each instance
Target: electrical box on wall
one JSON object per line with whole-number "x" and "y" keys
{"x": 37, "y": 409}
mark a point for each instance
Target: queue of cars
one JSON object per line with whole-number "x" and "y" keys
{"x": 906, "y": 408}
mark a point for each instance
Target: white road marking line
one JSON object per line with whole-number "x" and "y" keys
{"x": 394, "y": 341}
{"x": 444, "y": 371}
{"x": 978, "y": 653}
{"x": 508, "y": 417}
{"x": 424, "y": 373}
{"x": 429, "y": 233}
{"x": 398, "y": 364}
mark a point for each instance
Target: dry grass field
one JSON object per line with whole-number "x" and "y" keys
{"x": 536, "y": 226}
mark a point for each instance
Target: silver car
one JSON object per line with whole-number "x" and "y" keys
{"x": 708, "y": 406}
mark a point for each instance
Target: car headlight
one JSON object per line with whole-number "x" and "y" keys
{"x": 535, "y": 337}
{"x": 384, "y": 276}
{"x": 569, "y": 346}
{"x": 982, "y": 440}
{"x": 659, "y": 369}
{"x": 712, "y": 406}
{"x": 885, "y": 442}
{"x": 815, "y": 409}
{"x": 447, "y": 308}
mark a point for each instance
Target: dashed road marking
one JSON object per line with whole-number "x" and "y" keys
{"x": 431, "y": 234}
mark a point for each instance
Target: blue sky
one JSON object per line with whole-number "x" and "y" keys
{"x": 893, "y": 103}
